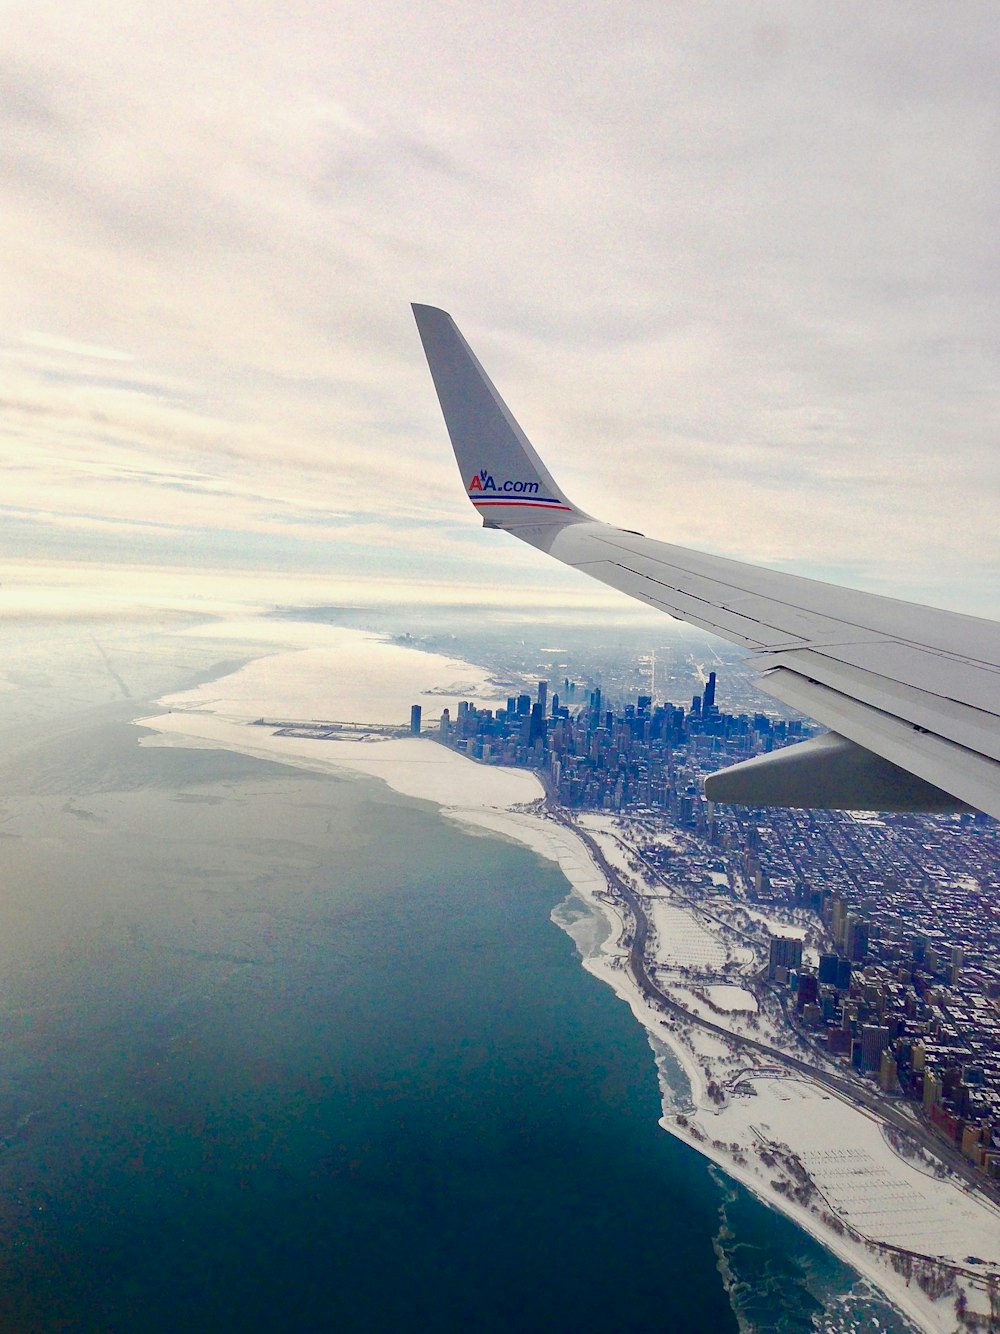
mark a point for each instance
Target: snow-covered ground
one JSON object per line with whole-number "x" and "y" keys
{"x": 732, "y": 998}
{"x": 761, "y": 1124}
{"x": 682, "y": 941}
{"x": 872, "y": 1189}
{"x": 759, "y": 1115}
{"x": 777, "y": 926}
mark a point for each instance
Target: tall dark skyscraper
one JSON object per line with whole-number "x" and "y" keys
{"x": 874, "y": 1040}
{"x": 828, "y": 969}
{"x": 808, "y": 990}
{"x": 785, "y": 952}
{"x": 856, "y": 938}
{"x": 415, "y": 719}
{"x": 536, "y": 729}
{"x": 709, "y": 698}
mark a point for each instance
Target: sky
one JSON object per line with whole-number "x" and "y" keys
{"x": 733, "y": 267}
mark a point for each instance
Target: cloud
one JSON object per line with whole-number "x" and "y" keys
{"x": 49, "y": 343}
{"x": 736, "y": 273}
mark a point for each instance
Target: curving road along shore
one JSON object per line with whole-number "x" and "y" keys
{"x": 842, "y": 1086}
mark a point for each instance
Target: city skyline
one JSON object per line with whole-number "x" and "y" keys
{"x": 751, "y": 262}
{"x": 904, "y": 994}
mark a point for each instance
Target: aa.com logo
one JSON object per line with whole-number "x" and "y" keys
{"x": 483, "y": 481}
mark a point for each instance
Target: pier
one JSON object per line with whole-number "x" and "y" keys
{"x": 325, "y": 729}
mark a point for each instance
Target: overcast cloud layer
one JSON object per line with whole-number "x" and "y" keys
{"x": 734, "y": 267}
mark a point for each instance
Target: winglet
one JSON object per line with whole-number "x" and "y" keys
{"x": 504, "y": 478}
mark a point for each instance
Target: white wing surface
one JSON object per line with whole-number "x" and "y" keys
{"x": 911, "y": 694}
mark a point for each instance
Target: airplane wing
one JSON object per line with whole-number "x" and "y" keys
{"x": 911, "y": 694}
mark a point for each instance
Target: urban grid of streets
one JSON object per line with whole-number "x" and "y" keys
{"x": 851, "y": 1090}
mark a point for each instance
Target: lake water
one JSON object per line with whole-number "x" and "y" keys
{"x": 287, "y": 1052}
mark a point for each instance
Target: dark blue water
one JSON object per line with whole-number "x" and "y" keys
{"x": 284, "y": 1053}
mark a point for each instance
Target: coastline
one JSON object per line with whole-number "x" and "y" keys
{"x": 607, "y": 960}
{"x": 509, "y": 803}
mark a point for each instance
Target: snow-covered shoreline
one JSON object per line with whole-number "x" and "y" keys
{"x": 903, "y": 1296}
{"x": 347, "y": 675}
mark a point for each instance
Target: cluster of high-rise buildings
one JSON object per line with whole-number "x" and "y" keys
{"x": 596, "y": 757}
{"x": 908, "y": 986}
{"x": 910, "y": 991}
{"x": 904, "y": 1014}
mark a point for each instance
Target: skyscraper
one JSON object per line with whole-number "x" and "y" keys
{"x": 808, "y": 989}
{"x": 828, "y": 969}
{"x": 874, "y": 1041}
{"x": 957, "y": 958}
{"x": 855, "y": 937}
{"x": 536, "y": 726}
{"x": 785, "y": 952}
{"x": 837, "y": 915}
{"x": 709, "y": 698}
{"x": 415, "y": 719}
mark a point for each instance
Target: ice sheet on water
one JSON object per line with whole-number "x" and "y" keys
{"x": 782, "y": 1282}
{"x": 675, "y": 1087}
{"x": 587, "y": 928}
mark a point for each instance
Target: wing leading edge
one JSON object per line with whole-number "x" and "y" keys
{"x": 911, "y": 693}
